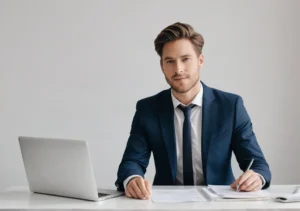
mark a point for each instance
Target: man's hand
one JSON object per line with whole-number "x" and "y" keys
{"x": 249, "y": 181}
{"x": 138, "y": 188}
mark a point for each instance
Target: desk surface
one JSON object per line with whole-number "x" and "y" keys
{"x": 22, "y": 198}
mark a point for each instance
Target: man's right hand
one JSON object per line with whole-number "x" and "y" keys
{"x": 138, "y": 188}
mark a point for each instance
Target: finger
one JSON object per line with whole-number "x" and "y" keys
{"x": 148, "y": 186}
{"x": 142, "y": 187}
{"x": 234, "y": 184}
{"x": 137, "y": 190}
{"x": 254, "y": 185}
{"x": 245, "y": 176}
{"x": 257, "y": 188}
{"x": 128, "y": 194}
{"x": 131, "y": 191}
{"x": 248, "y": 182}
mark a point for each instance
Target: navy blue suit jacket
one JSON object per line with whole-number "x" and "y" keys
{"x": 226, "y": 128}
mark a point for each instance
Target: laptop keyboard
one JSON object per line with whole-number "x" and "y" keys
{"x": 102, "y": 194}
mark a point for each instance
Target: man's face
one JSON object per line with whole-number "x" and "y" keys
{"x": 181, "y": 64}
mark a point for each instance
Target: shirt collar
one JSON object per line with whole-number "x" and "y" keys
{"x": 196, "y": 101}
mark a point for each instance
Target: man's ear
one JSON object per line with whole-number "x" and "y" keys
{"x": 201, "y": 60}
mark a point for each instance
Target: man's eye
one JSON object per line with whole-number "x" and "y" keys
{"x": 185, "y": 59}
{"x": 169, "y": 61}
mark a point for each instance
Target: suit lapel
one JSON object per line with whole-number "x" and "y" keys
{"x": 166, "y": 117}
{"x": 209, "y": 116}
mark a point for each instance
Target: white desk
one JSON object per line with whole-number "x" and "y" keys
{"x": 21, "y": 198}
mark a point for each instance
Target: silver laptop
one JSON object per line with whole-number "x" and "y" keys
{"x": 61, "y": 167}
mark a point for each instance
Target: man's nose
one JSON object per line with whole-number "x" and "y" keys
{"x": 179, "y": 68}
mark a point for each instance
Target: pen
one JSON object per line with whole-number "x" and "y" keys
{"x": 249, "y": 166}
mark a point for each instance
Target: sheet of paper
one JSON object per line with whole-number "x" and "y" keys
{"x": 212, "y": 196}
{"x": 169, "y": 195}
{"x": 228, "y": 192}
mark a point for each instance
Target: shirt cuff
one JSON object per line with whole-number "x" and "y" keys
{"x": 125, "y": 183}
{"x": 262, "y": 179}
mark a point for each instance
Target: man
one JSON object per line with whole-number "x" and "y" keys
{"x": 191, "y": 129}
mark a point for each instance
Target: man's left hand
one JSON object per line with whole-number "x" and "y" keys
{"x": 249, "y": 181}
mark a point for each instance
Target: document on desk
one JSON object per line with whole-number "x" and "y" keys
{"x": 176, "y": 195}
{"x": 226, "y": 192}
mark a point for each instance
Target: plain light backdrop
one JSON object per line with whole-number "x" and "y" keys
{"x": 75, "y": 69}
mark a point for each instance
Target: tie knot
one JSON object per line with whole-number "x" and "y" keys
{"x": 186, "y": 109}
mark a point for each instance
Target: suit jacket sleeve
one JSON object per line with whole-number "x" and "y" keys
{"x": 137, "y": 153}
{"x": 245, "y": 145}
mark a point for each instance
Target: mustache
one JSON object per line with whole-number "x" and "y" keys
{"x": 177, "y": 76}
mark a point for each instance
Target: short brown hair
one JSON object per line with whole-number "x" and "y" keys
{"x": 178, "y": 31}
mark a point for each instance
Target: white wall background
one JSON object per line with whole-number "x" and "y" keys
{"x": 75, "y": 69}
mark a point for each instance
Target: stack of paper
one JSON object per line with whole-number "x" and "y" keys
{"x": 177, "y": 195}
{"x": 216, "y": 192}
